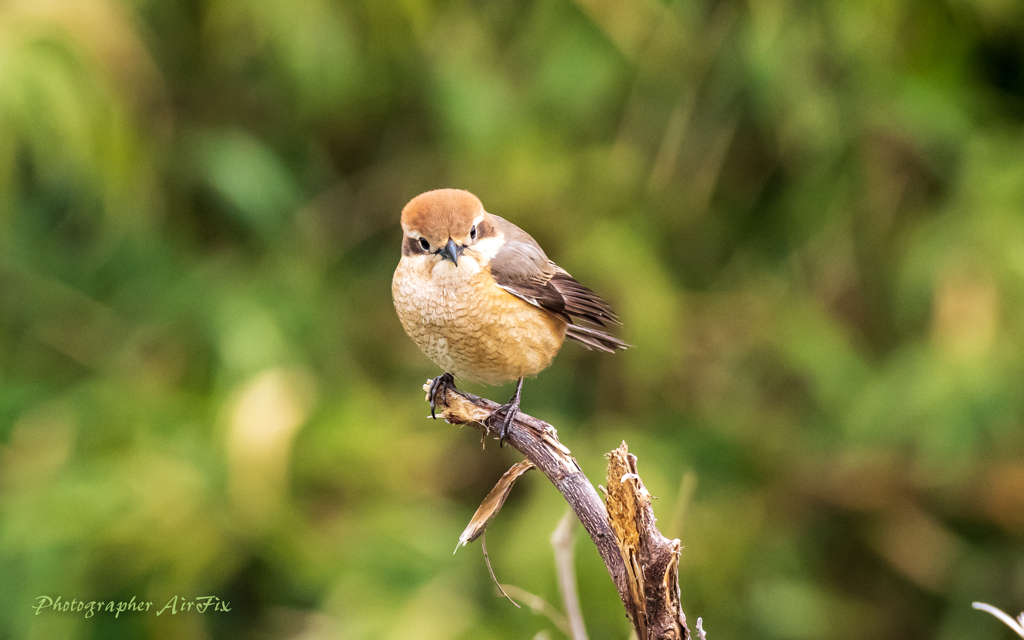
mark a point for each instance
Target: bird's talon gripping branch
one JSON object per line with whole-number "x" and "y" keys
{"x": 506, "y": 423}
{"x": 501, "y": 421}
{"x": 439, "y": 389}
{"x": 503, "y": 417}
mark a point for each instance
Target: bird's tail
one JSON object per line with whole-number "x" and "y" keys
{"x": 595, "y": 338}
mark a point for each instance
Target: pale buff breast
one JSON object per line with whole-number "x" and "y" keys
{"x": 469, "y": 326}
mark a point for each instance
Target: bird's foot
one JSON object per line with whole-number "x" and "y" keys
{"x": 439, "y": 390}
{"x": 502, "y": 418}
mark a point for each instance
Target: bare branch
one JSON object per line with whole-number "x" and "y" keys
{"x": 648, "y": 585}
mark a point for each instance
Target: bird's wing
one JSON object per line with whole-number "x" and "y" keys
{"x": 521, "y": 268}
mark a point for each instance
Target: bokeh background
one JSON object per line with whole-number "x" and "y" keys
{"x": 810, "y": 216}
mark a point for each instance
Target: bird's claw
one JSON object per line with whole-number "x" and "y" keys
{"x": 502, "y": 418}
{"x": 439, "y": 389}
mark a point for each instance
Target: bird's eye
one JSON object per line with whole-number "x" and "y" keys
{"x": 472, "y": 233}
{"x": 424, "y": 244}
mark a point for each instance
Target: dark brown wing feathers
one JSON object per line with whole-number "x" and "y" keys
{"x": 521, "y": 268}
{"x": 594, "y": 338}
{"x": 581, "y": 301}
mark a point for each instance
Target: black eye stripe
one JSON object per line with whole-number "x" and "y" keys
{"x": 483, "y": 230}
{"x": 414, "y": 246}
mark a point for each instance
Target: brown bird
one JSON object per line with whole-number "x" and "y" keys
{"x": 480, "y": 298}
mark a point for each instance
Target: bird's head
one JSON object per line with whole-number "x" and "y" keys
{"x": 446, "y": 223}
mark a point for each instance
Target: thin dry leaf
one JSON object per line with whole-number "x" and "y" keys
{"x": 492, "y": 503}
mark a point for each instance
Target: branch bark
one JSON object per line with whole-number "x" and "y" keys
{"x": 643, "y": 563}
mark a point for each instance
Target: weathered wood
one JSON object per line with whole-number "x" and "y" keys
{"x": 649, "y": 593}
{"x": 651, "y": 559}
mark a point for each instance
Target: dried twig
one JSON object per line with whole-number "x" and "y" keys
{"x": 643, "y": 564}
{"x": 1016, "y": 624}
{"x": 490, "y": 569}
{"x": 541, "y": 607}
{"x": 562, "y": 542}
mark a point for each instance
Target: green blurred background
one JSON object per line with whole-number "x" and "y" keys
{"x": 810, "y": 216}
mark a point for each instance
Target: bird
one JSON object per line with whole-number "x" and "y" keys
{"x": 482, "y": 300}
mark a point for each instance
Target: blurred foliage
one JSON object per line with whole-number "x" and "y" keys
{"x": 809, "y": 214}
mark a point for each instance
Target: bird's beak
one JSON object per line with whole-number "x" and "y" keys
{"x": 451, "y": 252}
